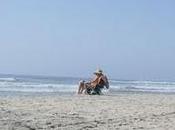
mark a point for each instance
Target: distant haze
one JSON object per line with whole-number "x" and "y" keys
{"x": 128, "y": 39}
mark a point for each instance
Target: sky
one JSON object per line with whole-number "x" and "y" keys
{"x": 128, "y": 39}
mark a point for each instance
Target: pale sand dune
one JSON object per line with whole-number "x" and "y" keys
{"x": 119, "y": 112}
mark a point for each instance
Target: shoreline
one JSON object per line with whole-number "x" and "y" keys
{"x": 72, "y": 94}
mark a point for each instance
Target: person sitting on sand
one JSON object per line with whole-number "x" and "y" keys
{"x": 95, "y": 85}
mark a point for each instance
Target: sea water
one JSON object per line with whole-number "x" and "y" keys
{"x": 41, "y": 84}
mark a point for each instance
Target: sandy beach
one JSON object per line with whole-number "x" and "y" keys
{"x": 123, "y": 111}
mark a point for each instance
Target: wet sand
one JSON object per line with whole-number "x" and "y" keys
{"x": 123, "y": 111}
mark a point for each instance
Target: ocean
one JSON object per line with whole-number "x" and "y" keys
{"x": 42, "y": 84}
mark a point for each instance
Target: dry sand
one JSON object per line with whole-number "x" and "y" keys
{"x": 119, "y": 112}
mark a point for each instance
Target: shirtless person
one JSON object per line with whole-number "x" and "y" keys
{"x": 97, "y": 84}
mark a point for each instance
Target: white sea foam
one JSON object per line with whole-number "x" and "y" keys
{"x": 28, "y": 87}
{"x": 60, "y": 85}
{"x": 7, "y": 79}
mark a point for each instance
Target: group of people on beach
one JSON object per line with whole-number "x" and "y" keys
{"x": 94, "y": 86}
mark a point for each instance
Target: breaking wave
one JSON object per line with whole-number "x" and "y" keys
{"x": 35, "y": 84}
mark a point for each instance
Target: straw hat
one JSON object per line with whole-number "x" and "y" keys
{"x": 98, "y": 71}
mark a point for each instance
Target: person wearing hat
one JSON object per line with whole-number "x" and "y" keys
{"x": 95, "y": 85}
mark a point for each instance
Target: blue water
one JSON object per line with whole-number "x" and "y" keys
{"x": 40, "y": 84}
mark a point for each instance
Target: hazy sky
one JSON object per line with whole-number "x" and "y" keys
{"x": 129, "y": 39}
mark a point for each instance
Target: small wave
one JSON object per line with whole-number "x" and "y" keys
{"x": 163, "y": 88}
{"x": 7, "y": 79}
{"x": 44, "y": 85}
{"x": 33, "y": 87}
{"x": 142, "y": 82}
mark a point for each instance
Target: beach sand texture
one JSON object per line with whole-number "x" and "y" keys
{"x": 118, "y": 112}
